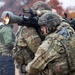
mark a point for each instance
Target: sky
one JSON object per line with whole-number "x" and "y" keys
{"x": 67, "y": 3}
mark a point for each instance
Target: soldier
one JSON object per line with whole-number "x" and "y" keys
{"x": 39, "y": 8}
{"x": 27, "y": 42}
{"x": 57, "y": 50}
{"x": 7, "y": 39}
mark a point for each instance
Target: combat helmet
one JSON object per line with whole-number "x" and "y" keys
{"x": 41, "y": 6}
{"x": 50, "y": 19}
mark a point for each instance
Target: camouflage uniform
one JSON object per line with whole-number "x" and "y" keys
{"x": 42, "y": 7}
{"x": 28, "y": 40}
{"x": 27, "y": 43}
{"x": 54, "y": 52}
{"x": 7, "y": 39}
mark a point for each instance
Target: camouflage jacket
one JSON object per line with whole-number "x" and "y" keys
{"x": 26, "y": 45}
{"x": 51, "y": 53}
{"x": 29, "y": 37}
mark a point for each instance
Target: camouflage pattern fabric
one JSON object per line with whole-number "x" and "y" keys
{"x": 27, "y": 44}
{"x": 40, "y": 5}
{"x": 29, "y": 38}
{"x": 49, "y": 19}
{"x": 51, "y": 52}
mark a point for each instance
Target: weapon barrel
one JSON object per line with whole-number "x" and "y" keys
{"x": 9, "y": 17}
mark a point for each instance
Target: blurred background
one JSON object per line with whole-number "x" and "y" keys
{"x": 16, "y": 7}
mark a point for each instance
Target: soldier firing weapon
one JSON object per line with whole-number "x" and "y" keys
{"x": 23, "y": 20}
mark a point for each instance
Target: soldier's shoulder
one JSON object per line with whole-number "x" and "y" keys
{"x": 55, "y": 36}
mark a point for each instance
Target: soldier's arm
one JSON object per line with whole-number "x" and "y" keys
{"x": 43, "y": 56}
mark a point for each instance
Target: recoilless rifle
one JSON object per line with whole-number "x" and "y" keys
{"x": 23, "y": 20}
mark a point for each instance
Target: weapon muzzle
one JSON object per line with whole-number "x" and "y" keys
{"x": 8, "y": 17}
